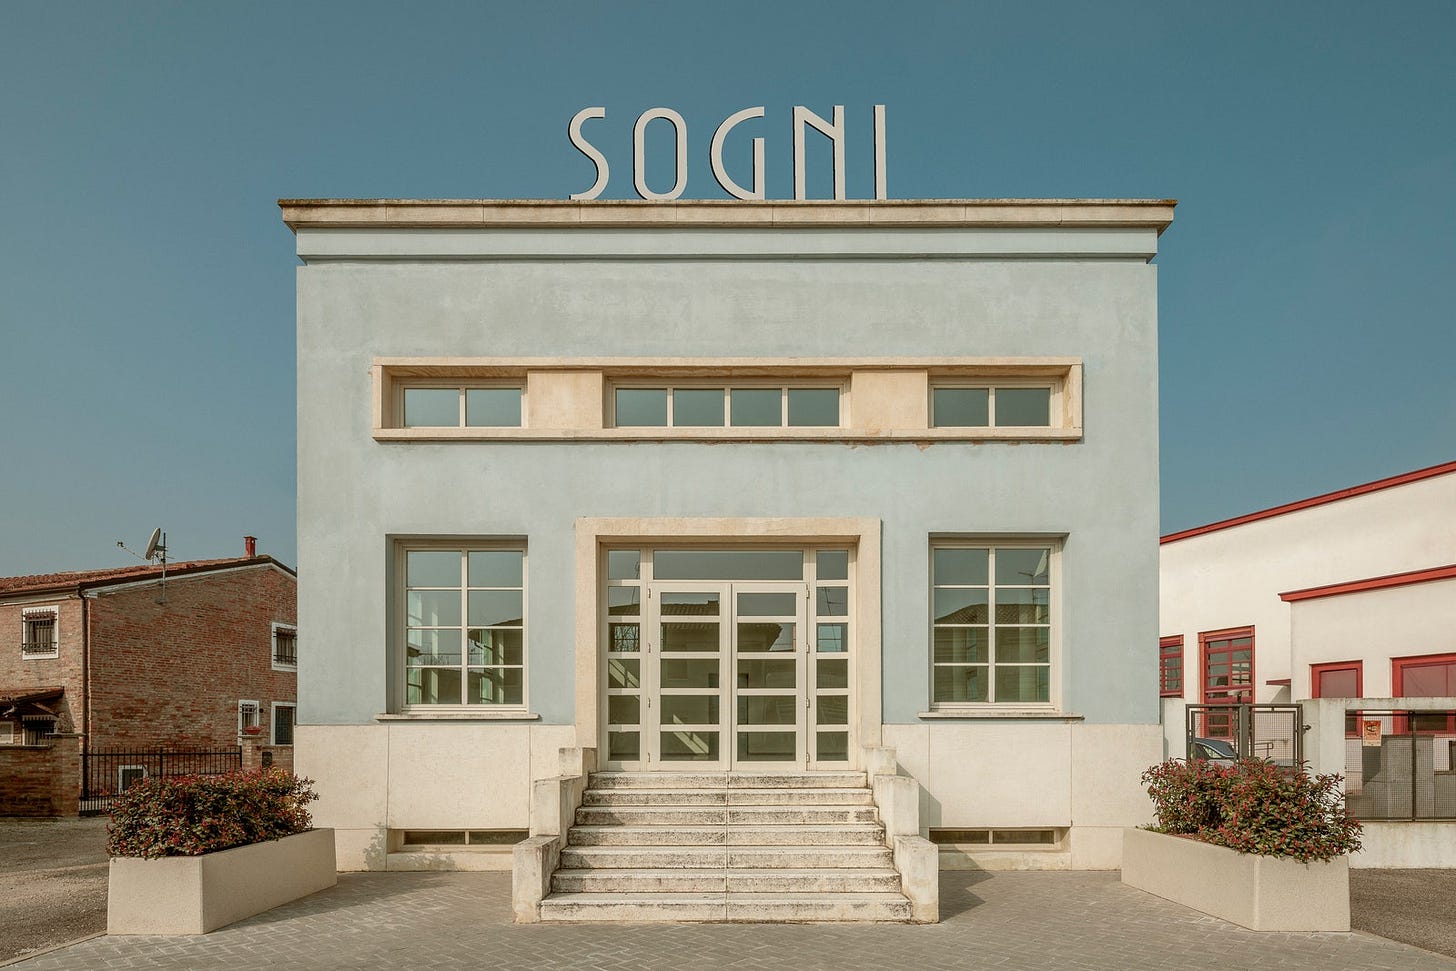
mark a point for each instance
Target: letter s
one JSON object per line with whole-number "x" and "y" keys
{"x": 589, "y": 150}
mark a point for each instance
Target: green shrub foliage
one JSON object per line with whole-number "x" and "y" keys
{"x": 1253, "y": 806}
{"x": 196, "y": 814}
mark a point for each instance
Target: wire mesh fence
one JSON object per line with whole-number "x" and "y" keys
{"x": 1273, "y": 732}
{"x": 1401, "y": 764}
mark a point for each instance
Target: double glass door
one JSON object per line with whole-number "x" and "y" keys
{"x": 717, "y": 675}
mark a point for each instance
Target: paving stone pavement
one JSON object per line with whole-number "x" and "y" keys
{"x": 1080, "y": 921}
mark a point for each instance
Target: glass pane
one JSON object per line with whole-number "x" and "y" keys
{"x": 1023, "y": 406}
{"x": 699, "y": 638}
{"x": 685, "y": 673}
{"x": 1025, "y": 645}
{"x": 782, "y": 710}
{"x": 624, "y": 709}
{"x": 431, "y": 407}
{"x": 690, "y": 604}
{"x": 768, "y": 604}
{"x": 961, "y": 605}
{"x": 959, "y": 683}
{"x": 1026, "y": 684}
{"x": 757, "y": 406}
{"x": 624, "y": 601}
{"x": 766, "y": 637}
{"x": 832, "y": 673}
{"x": 496, "y": 647}
{"x": 777, "y": 673}
{"x": 728, "y": 564}
{"x": 832, "y": 564}
{"x": 432, "y": 686}
{"x": 833, "y": 638}
{"x": 432, "y": 646}
{"x": 832, "y": 710}
{"x": 697, "y": 408}
{"x": 1427, "y": 680}
{"x": 832, "y": 747}
{"x": 624, "y": 637}
{"x": 962, "y": 645}
{"x": 969, "y": 568}
{"x": 498, "y": 407}
{"x": 624, "y": 746}
{"x": 1023, "y": 567}
{"x": 624, "y": 672}
{"x": 433, "y": 608}
{"x": 432, "y": 568}
{"x": 496, "y": 686}
{"x": 689, "y": 746}
{"x": 495, "y": 568}
{"x": 1015, "y": 606}
{"x": 689, "y": 709}
{"x": 637, "y": 407}
{"x": 491, "y": 608}
{"x": 960, "y": 408}
{"x": 1337, "y": 684}
{"x": 767, "y": 747}
{"x": 624, "y": 564}
{"x": 814, "y": 406}
{"x": 832, "y": 602}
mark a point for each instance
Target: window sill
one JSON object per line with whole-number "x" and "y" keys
{"x": 1010, "y": 713}
{"x": 40, "y": 657}
{"x": 289, "y": 668}
{"x": 728, "y": 434}
{"x": 470, "y": 715}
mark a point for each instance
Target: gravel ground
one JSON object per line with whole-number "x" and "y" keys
{"x": 52, "y": 882}
{"x": 1412, "y": 906}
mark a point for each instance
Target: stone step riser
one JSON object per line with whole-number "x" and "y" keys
{"x": 769, "y": 857}
{"x": 724, "y": 815}
{"x": 628, "y": 881}
{"x": 727, "y": 797}
{"x": 709, "y": 781}
{"x": 746, "y": 912}
{"x": 850, "y": 834}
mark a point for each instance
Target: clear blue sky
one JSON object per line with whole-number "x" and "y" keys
{"x": 146, "y": 280}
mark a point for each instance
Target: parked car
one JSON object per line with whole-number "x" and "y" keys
{"x": 1213, "y": 750}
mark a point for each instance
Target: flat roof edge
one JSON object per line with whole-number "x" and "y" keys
{"x": 725, "y": 213}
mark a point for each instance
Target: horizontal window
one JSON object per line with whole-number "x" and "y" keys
{"x": 991, "y": 406}
{"x": 995, "y": 837}
{"x": 461, "y": 407}
{"x": 462, "y": 837}
{"x": 689, "y": 406}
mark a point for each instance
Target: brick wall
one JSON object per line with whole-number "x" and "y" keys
{"x": 171, "y": 675}
{"x": 41, "y": 780}
{"x": 18, "y": 674}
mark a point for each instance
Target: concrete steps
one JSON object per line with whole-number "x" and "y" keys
{"x": 726, "y": 847}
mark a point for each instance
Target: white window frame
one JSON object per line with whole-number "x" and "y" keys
{"x": 1053, "y": 704}
{"x": 121, "y": 774}
{"x": 28, "y": 614}
{"x": 276, "y": 664}
{"x": 473, "y": 384}
{"x": 243, "y": 721}
{"x": 273, "y": 721}
{"x": 7, "y": 733}
{"x": 400, "y": 628}
{"x": 727, "y": 386}
{"x": 1056, "y": 409}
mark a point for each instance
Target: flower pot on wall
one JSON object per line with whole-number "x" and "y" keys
{"x": 1262, "y": 893}
{"x": 197, "y": 894}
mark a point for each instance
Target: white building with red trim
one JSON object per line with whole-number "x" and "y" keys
{"x": 1347, "y": 594}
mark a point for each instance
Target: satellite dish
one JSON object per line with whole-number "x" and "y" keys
{"x": 153, "y": 543}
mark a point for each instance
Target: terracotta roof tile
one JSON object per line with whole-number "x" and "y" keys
{"x": 126, "y": 574}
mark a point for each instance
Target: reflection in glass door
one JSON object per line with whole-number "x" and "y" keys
{"x": 687, "y": 655}
{"x": 769, "y": 672}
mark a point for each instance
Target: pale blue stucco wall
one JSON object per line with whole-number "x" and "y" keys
{"x": 1102, "y": 493}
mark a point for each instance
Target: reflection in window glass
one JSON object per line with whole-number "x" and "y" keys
{"x": 697, "y": 407}
{"x": 1023, "y": 407}
{"x": 624, "y": 564}
{"x": 960, "y": 408}
{"x": 728, "y": 564}
{"x": 757, "y": 407}
{"x": 445, "y": 609}
{"x": 813, "y": 406}
{"x": 832, "y": 564}
{"x": 431, "y": 407}
{"x": 991, "y": 627}
{"x": 641, "y": 407}
{"x": 493, "y": 407}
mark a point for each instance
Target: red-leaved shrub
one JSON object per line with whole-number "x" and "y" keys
{"x": 196, "y": 814}
{"x": 1253, "y": 806}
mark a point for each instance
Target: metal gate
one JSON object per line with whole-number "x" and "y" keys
{"x": 106, "y": 773}
{"x": 1272, "y": 732}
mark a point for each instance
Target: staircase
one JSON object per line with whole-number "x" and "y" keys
{"x": 726, "y": 846}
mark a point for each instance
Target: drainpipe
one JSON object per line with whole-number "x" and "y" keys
{"x": 85, "y": 672}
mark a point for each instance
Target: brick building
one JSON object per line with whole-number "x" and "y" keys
{"x": 106, "y": 660}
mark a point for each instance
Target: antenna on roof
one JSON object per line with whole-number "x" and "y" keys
{"x": 156, "y": 551}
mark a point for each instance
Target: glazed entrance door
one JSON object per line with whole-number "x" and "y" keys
{"x": 770, "y": 675}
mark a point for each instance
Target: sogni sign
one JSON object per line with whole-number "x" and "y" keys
{"x": 803, "y": 119}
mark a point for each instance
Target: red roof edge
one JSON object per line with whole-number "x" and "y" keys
{"x": 1444, "y": 468}
{"x": 1374, "y": 583}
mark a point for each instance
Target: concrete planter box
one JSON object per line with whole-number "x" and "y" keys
{"x": 199, "y": 894}
{"x": 1262, "y": 893}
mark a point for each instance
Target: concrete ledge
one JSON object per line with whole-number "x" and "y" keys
{"x": 532, "y": 863}
{"x": 197, "y": 894}
{"x": 1402, "y": 844}
{"x": 1262, "y": 893}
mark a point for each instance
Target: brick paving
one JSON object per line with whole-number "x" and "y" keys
{"x": 1080, "y": 921}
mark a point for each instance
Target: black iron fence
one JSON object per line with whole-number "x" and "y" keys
{"x": 107, "y": 772}
{"x": 1273, "y": 732}
{"x": 1400, "y": 764}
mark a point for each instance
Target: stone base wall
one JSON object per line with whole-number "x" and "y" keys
{"x": 41, "y": 780}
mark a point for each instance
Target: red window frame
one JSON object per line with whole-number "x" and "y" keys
{"x": 1216, "y": 725}
{"x": 1397, "y": 681}
{"x": 1170, "y": 649}
{"x": 1352, "y": 719}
